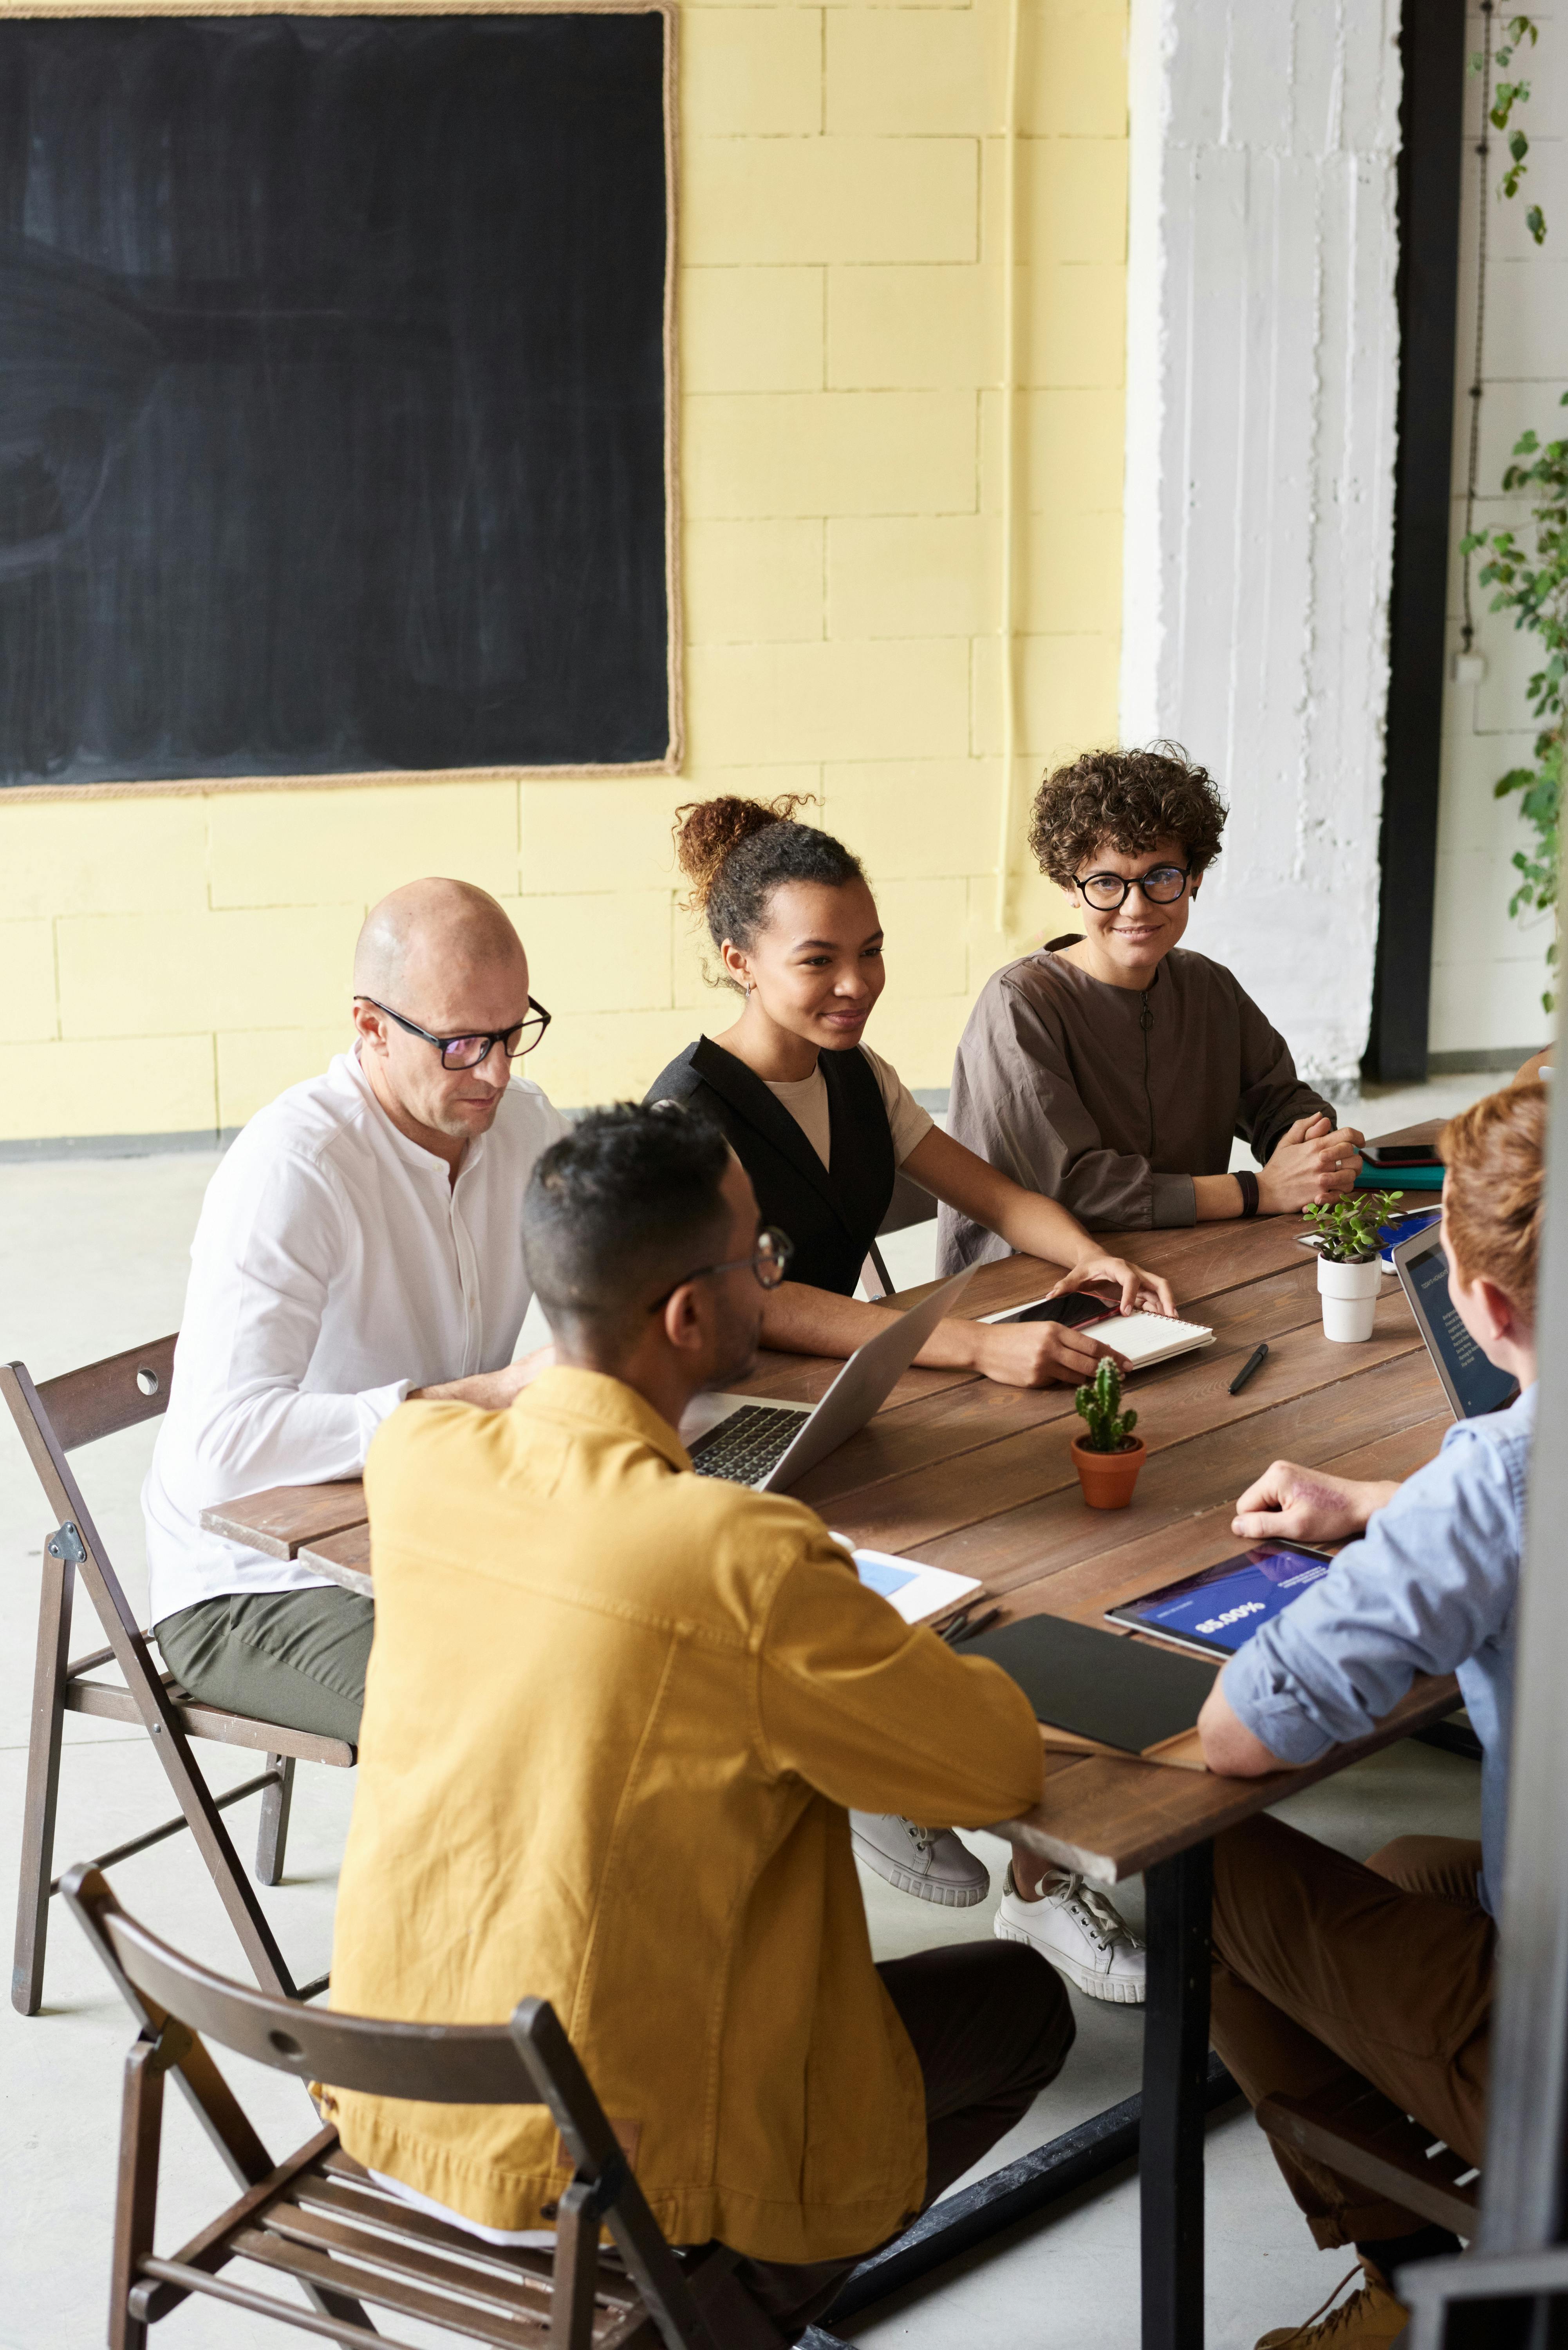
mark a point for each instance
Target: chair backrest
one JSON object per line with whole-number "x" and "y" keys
{"x": 101, "y": 1399}
{"x": 446, "y": 2064}
{"x": 908, "y": 1205}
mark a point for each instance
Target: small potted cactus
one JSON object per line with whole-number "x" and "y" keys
{"x": 1348, "y": 1274}
{"x": 1107, "y": 1456}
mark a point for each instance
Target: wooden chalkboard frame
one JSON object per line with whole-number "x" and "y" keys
{"x": 673, "y": 759}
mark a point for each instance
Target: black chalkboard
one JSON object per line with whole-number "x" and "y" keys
{"x": 332, "y": 395}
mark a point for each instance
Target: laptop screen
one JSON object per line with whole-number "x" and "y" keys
{"x": 1474, "y": 1385}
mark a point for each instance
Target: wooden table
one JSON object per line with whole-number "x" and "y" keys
{"x": 980, "y": 1478}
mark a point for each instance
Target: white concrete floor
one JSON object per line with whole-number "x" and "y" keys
{"x": 92, "y": 1259}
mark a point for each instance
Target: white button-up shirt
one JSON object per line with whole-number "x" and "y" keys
{"x": 335, "y": 1266}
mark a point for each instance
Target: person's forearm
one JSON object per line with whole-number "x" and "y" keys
{"x": 799, "y": 1320}
{"x": 277, "y": 1436}
{"x": 1219, "y": 1198}
{"x": 1036, "y": 1226}
{"x": 1229, "y": 1748}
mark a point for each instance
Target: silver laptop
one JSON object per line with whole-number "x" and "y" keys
{"x": 1472, "y": 1384}
{"x": 769, "y": 1445}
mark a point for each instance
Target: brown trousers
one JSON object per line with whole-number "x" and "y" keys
{"x": 1325, "y": 1970}
{"x": 991, "y": 2025}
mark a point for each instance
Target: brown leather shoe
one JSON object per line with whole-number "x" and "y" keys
{"x": 1369, "y": 2319}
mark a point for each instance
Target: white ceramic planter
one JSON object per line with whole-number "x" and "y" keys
{"x": 1349, "y": 1293}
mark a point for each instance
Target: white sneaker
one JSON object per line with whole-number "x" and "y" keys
{"x": 930, "y": 1863}
{"x": 1080, "y": 1932}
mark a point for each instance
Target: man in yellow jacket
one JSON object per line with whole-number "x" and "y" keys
{"x": 615, "y": 1718}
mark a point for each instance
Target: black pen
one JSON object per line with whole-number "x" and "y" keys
{"x": 982, "y": 1624}
{"x": 1252, "y": 1364}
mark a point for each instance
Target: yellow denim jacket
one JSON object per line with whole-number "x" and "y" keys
{"x": 614, "y": 1716}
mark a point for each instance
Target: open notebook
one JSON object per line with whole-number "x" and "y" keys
{"x": 1139, "y": 1337}
{"x": 1143, "y": 1338}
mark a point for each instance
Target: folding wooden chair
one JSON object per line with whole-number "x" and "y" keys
{"x": 1359, "y": 2131}
{"x": 908, "y": 1205}
{"x": 319, "y": 2218}
{"x": 74, "y": 1410}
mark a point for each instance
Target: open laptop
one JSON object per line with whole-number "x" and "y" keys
{"x": 769, "y": 1445}
{"x": 1471, "y": 1383}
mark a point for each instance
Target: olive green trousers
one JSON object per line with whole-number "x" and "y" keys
{"x": 293, "y": 1656}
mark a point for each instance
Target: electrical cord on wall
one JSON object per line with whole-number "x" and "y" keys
{"x": 1007, "y": 627}
{"x": 1483, "y": 151}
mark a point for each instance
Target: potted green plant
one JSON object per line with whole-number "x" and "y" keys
{"x": 1107, "y": 1456}
{"x": 1348, "y": 1274}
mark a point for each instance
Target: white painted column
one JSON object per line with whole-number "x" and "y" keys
{"x": 1262, "y": 377}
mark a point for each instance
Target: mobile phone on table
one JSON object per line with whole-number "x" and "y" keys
{"x": 1074, "y": 1309}
{"x": 1400, "y": 1154}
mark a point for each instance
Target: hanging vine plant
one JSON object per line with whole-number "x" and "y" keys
{"x": 1534, "y": 588}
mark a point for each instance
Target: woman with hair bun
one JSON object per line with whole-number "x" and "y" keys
{"x": 822, "y": 1125}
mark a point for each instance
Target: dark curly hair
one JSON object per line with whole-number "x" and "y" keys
{"x": 736, "y": 852}
{"x": 1126, "y": 800}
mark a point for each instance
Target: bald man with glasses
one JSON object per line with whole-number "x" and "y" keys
{"x": 360, "y": 1244}
{"x": 1112, "y": 1068}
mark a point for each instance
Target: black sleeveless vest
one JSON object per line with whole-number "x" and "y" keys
{"x": 832, "y": 1218}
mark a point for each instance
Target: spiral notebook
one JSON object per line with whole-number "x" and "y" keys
{"x": 1141, "y": 1338}
{"x": 1145, "y": 1338}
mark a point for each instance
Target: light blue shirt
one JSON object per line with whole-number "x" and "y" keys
{"x": 1431, "y": 1587}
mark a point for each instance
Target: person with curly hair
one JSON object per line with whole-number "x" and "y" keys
{"x": 1111, "y": 1069}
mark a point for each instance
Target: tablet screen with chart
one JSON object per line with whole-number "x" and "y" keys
{"x": 1217, "y": 1611}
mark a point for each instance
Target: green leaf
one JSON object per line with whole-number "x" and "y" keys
{"x": 1517, "y": 146}
{"x": 1535, "y": 221}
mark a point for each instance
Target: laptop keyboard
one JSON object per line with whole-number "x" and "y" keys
{"x": 748, "y": 1444}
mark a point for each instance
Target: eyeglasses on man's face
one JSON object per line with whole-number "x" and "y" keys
{"x": 1162, "y": 885}
{"x": 467, "y": 1052}
{"x": 769, "y": 1262}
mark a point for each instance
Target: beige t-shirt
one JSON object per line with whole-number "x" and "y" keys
{"x": 806, "y": 1098}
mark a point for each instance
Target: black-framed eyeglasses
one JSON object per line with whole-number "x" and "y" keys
{"x": 769, "y": 1262}
{"x": 467, "y": 1052}
{"x": 1162, "y": 885}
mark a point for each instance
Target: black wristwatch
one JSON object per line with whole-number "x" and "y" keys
{"x": 1248, "y": 1182}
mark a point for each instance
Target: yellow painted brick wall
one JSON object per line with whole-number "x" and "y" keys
{"x": 171, "y": 962}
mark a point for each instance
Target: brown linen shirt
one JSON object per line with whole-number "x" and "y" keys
{"x": 1111, "y": 1100}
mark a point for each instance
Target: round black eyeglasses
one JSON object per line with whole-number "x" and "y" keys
{"x": 467, "y": 1052}
{"x": 1162, "y": 885}
{"x": 769, "y": 1262}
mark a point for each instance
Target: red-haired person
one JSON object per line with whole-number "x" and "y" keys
{"x": 821, "y": 1124}
{"x": 1114, "y": 1069}
{"x": 1326, "y": 1972}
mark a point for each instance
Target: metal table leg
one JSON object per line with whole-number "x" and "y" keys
{"x": 1174, "y": 2071}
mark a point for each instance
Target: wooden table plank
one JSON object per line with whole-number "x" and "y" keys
{"x": 1082, "y": 1592}
{"x": 995, "y": 1488}
{"x": 929, "y": 1430}
{"x": 1055, "y": 1530}
{"x": 284, "y": 1518}
{"x": 343, "y": 1558}
{"x": 1114, "y": 1819}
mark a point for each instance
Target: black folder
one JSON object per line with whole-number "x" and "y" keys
{"x": 1117, "y": 1691}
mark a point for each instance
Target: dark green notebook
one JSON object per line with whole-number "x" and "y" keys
{"x": 1118, "y": 1691}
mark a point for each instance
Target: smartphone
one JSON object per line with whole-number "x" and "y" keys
{"x": 1401, "y": 1154}
{"x": 1074, "y": 1309}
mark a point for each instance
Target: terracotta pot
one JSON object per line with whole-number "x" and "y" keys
{"x": 1108, "y": 1478}
{"x": 1349, "y": 1294}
